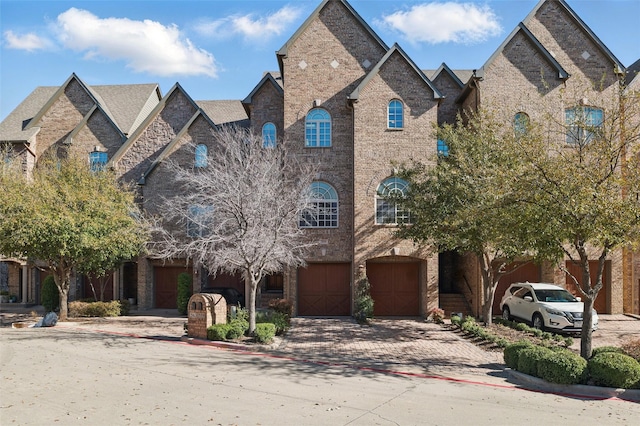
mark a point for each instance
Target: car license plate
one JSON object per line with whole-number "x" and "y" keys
{"x": 577, "y": 324}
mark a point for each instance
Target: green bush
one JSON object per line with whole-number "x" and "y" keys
{"x": 95, "y": 309}
{"x": 512, "y": 352}
{"x": 603, "y": 349}
{"x": 529, "y": 359}
{"x": 217, "y": 332}
{"x": 562, "y": 366}
{"x": 363, "y": 310}
{"x": 281, "y": 320}
{"x": 614, "y": 370}
{"x": 265, "y": 332}
{"x": 125, "y": 307}
{"x": 456, "y": 320}
{"x": 50, "y": 296}
{"x": 522, "y": 327}
{"x": 237, "y": 328}
{"x": 184, "y": 292}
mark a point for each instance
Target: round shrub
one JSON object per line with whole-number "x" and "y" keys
{"x": 529, "y": 359}
{"x": 236, "y": 329}
{"x": 50, "y": 296}
{"x": 512, "y": 352}
{"x": 217, "y": 332}
{"x": 615, "y": 370}
{"x": 265, "y": 332}
{"x": 603, "y": 349}
{"x": 562, "y": 366}
{"x": 184, "y": 292}
{"x": 279, "y": 319}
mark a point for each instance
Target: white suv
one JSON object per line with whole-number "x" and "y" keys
{"x": 545, "y": 306}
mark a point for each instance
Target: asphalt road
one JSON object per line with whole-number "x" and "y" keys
{"x": 73, "y": 376}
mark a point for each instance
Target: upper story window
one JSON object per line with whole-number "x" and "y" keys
{"x": 198, "y": 219}
{"x": 201, "y": 156}
{"x": 395, "y": 114}
{"x": 388, "y": 212}
{"x": 443, "y": 148}
{"x": 322, "y": 211}
{"x": 269, "y": 135}
{"x": 520, "y": 123}
{"x": 317, "y": 129}
{"x": 97, "y": 160}
{"x": 583, "y": 122}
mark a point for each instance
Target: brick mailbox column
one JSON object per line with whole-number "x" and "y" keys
{"x": 205, "y": 310}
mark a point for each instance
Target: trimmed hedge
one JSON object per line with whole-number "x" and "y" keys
{"x": 512, "y": 352}
{"x": 218, "y": 332}
{"x": 529, "y": 359}
{"x": 184, "y": 292}
{"x": 265, "y": 332}
{"x": 603, "y": 349}
{"x": 95, "y": 309}
{"x": 563, "y": 366}
{"x": 614, "y": 370}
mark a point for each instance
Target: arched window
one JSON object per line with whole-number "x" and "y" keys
{"x": 520, "y": 123}
{"x": 269, "y": 135}
{"x": 395, "y": 115}
{"x": 322, "y": 211}
{"x": 583, "y": 123}
{"x": 318, "y": 129}
{"x": 388, "y": 212}
{"x": 201, "y": 156}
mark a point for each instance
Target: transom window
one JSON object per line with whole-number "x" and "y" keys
{"x": 395, "y": 115}
{"x": 201, "y": 156}
{"x": 317, "y": 129}
{"x": 269, "y": 135}
{"x": 322, "y": 211}
{"x": 97, "y": 160}
{"x": 520, "y": 123}
{"x": 583, "y": 123}
{"x": 388, "y": 212}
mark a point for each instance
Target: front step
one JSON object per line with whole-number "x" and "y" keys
{"x": 454, "y": 302}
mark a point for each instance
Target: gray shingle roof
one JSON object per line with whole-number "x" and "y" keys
{"x": 462, "y": 75}
{"x": 12, "y": 127}
{"x": 127, "y": 103}
{"x": 225, "y": 112}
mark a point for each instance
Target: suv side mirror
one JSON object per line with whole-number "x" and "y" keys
{"x": 528, "y": 298}
{"x": 579, "y": 299}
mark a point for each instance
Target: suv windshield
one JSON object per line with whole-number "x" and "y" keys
{"x": 554, "y": 296}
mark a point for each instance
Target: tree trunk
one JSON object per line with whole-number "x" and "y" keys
{"x": 488, "y": 288}
{"x": 586, "y": 337}
{"x": 62, "y": 276}
{"x": 253, "y": 287}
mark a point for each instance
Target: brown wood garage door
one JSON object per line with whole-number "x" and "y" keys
{"x": 395, "y": 288}
{"x": 324, "y": 289}
{"x": 166, "y": 285}
{"x": 600, "y": 304}
{"x": 528, "y": 272}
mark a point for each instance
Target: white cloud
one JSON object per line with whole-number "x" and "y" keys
{"x": 250, "y": 27}
{"x": 28, "y": 42}
{"x": 146, "y": 46}
{"x": 435, "y": 23}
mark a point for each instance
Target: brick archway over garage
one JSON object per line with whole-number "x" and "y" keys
{"x": 324, "y": 289}
{"x": 395, "y": 288}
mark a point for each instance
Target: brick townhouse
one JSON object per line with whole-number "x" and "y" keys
{"x": 353, "y": 104}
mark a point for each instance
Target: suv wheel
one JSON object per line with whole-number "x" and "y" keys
{"x": 537, "y": 321}
{"x": 506, "y": 314}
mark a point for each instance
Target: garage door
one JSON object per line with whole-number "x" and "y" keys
{"x": 324, "y": 289}
{"x": 395, "y": 288}
{"x": 600, "y": 304}
{"x": 166, "y": 286}
{"x": 528, "y": 272}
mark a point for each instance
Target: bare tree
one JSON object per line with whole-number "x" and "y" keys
{"x": 240, "y": 211}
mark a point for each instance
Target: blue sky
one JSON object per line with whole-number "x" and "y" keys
{"x": 218, "y": 49}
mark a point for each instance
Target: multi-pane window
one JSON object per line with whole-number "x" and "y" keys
{"x": 443, "y": 148}
{"x": 583, "y": 123}
{"x": 269, "y": 135}
{"x": 97, "y": 160}
{"x": 520, "y": 123}
{"x": 201, "y": 156}
{"x": 198, "y": 220}
{"x": 395, "y": 115}
{"x": 387, "y": 211}
{"x": 317, "y": 129}
{"x": 322, "y": 211}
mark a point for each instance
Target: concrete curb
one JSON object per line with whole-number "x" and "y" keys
{"x": 225, "y": 345}
{"x": 580, "y": 391}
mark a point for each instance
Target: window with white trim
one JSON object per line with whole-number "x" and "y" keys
{"x": 198, "y": 220}
{"x": 317, "y": 129}
{"x": 583, "y": 123}
{"x": 97, "y": 160}
{"x": 201, "y": 156}
{"x": 388, "y": 212}
{"x": 322, "y": 211}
